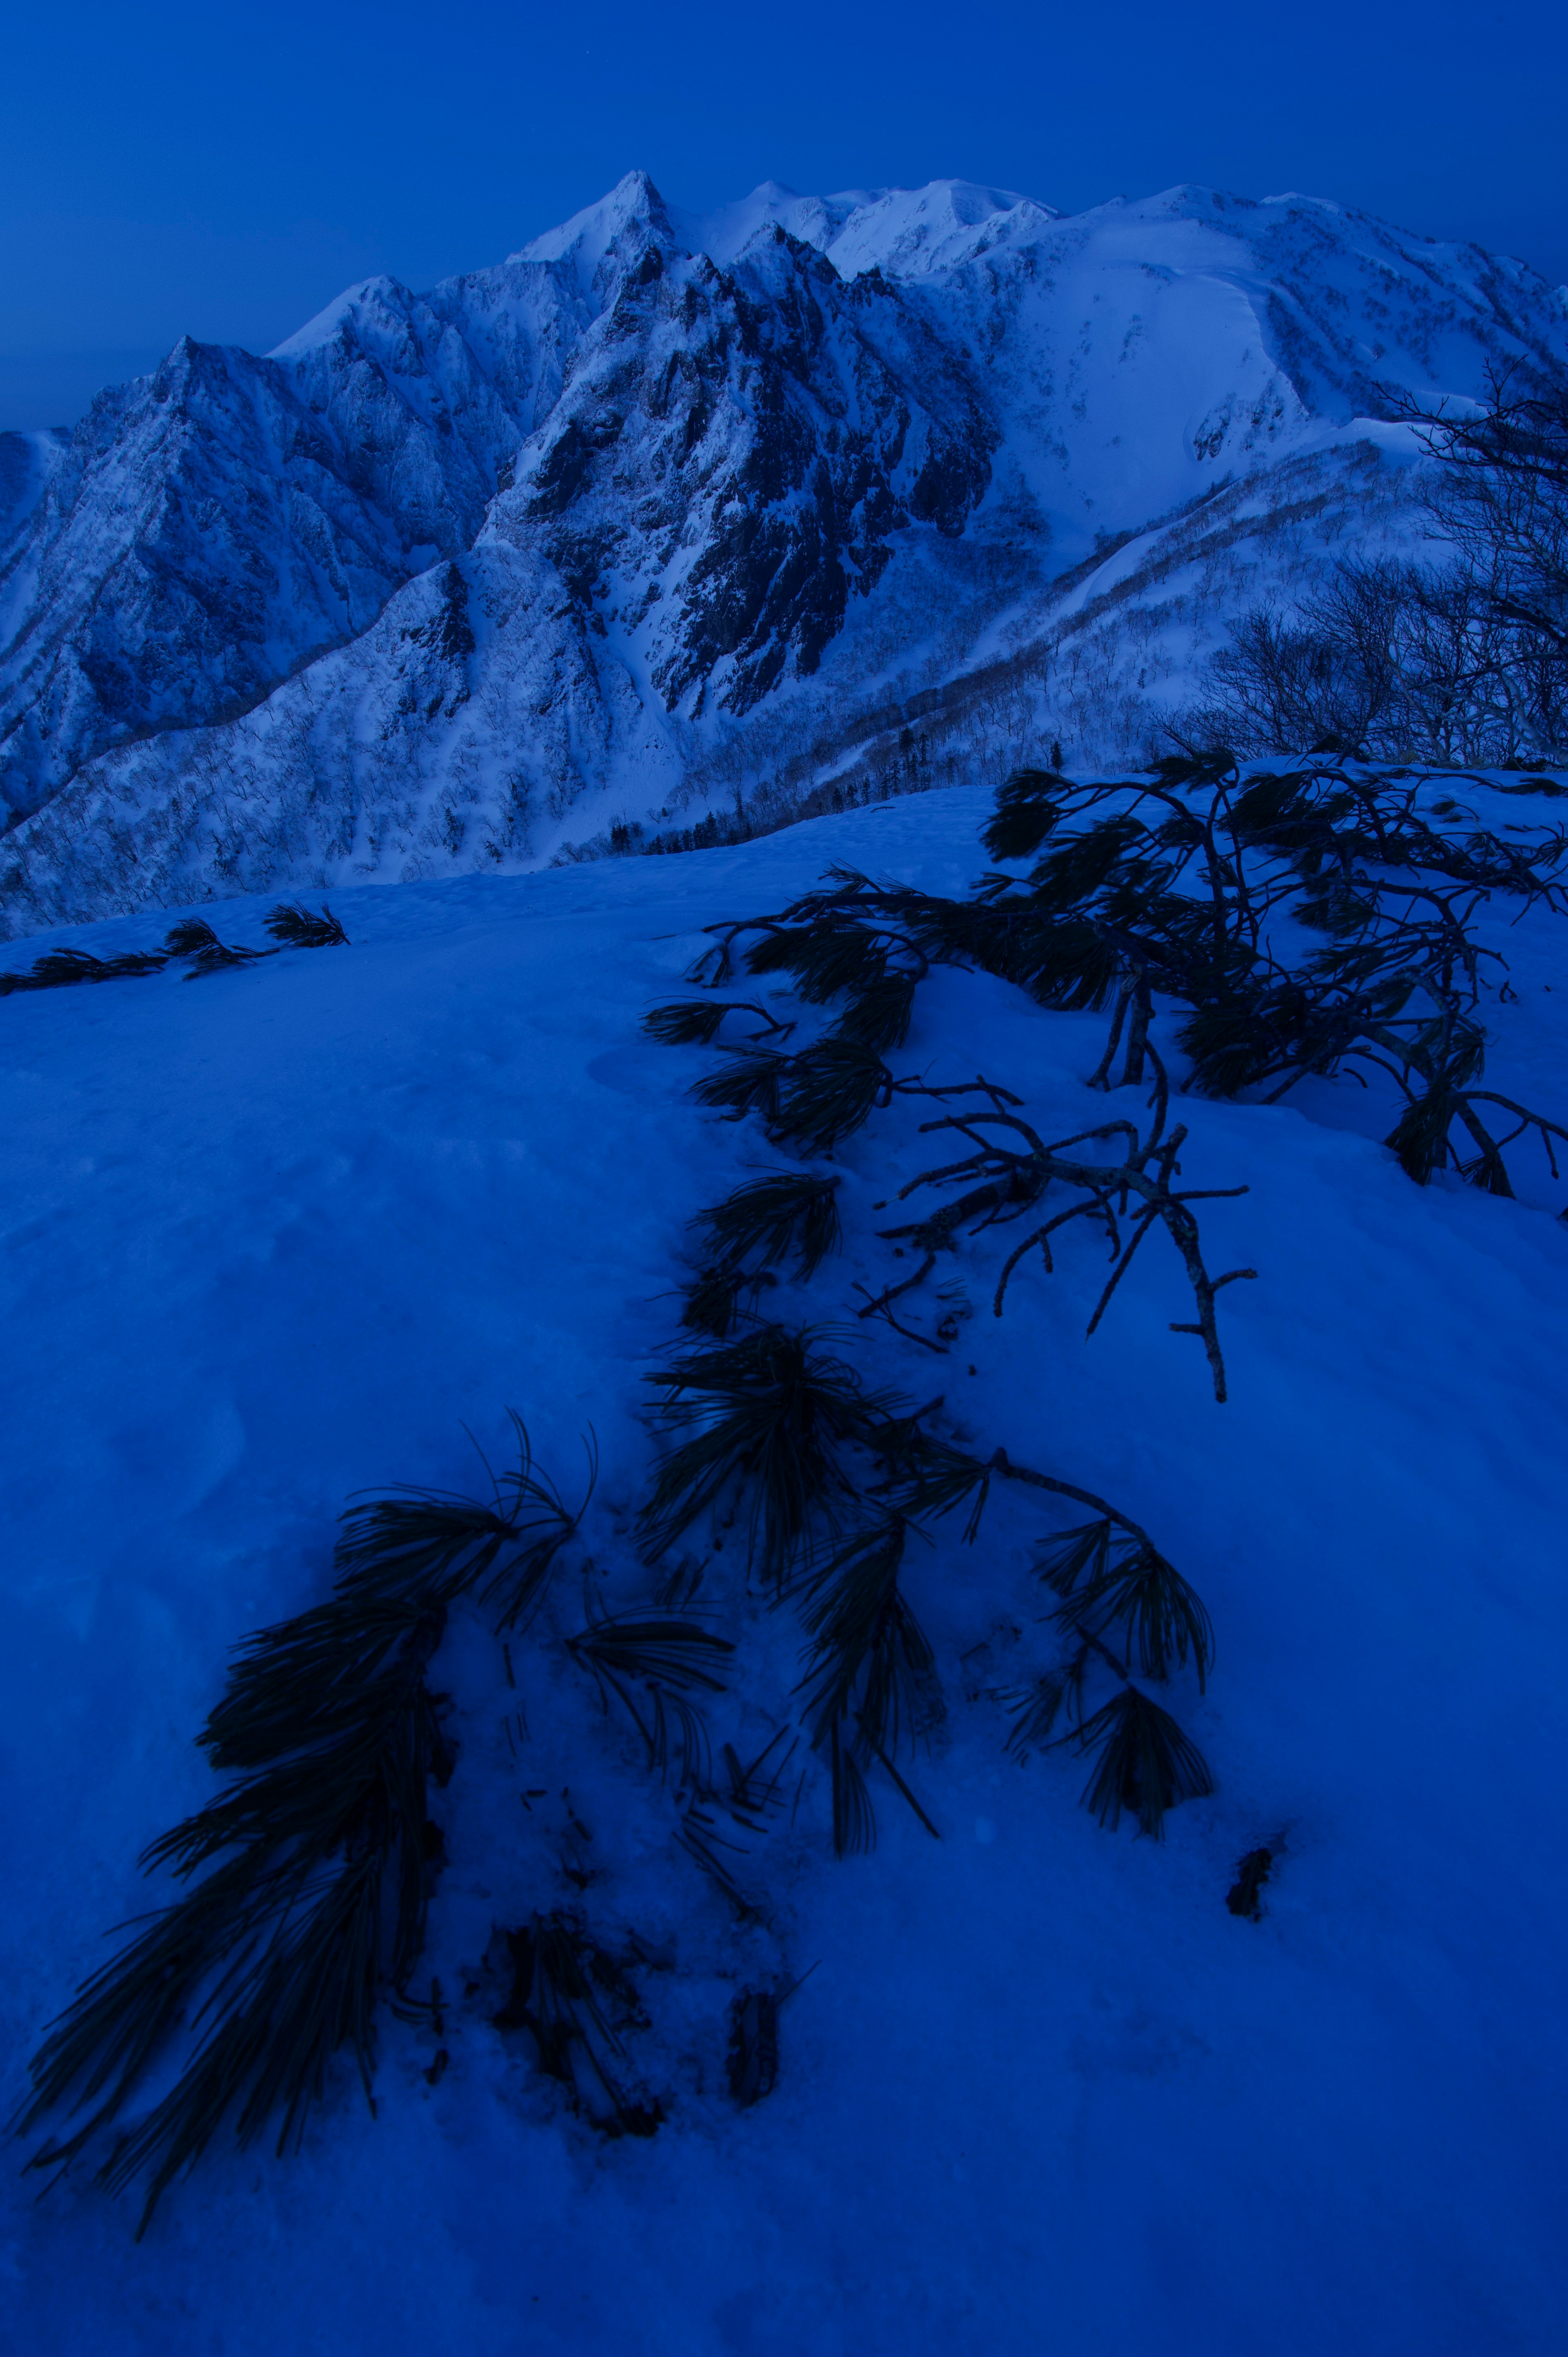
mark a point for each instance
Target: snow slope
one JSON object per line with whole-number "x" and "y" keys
{"x": 281, "y": 1233}
{"x": 730, "y": 499}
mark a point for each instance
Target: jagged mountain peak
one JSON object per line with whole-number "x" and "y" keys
{"x": 904, "y": 233}
{"x": 668, "y": 509}
{"x": 633, "y": 209}
{"x": 380, "y": 298}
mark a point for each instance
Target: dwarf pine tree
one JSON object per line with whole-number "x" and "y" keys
{"x": 1311, "y": 921}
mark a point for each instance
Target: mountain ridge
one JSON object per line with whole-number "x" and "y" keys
{"x": 706, "y": 489}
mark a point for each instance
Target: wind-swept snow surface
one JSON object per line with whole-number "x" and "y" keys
{"x": 279, "y": 1234}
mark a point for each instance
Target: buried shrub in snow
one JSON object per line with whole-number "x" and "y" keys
{"x": 789, "y": 1492}
{"x": 291, "y": 925}
{"x": 318, "y": 1853}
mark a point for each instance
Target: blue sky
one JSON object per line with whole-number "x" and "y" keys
{"x": 223, "y": 173}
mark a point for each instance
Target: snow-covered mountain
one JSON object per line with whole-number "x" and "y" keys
{"x": 669, "y": 509}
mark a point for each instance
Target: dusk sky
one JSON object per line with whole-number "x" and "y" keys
{"x": 222, "y": 174}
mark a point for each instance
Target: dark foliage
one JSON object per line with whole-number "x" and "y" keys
{"x": 854, "y": 1819}
{"x": 316, "y": 1899}
{"x": 649, "y": 1663}
{"x": 1037, "y": 1706}
{"x": 829, "y": 956}
{"x": 1193, "y": 884}
{"x": 220, "y": 955}
{"x": 715, "y": 1299}
{"x": 1144, "y": 1764}
{"x": 760, "y": 1424}
{"x": 60, "y": 969}
{"x": 753, "y": 2063}
{"x": 1026, "y": 813}
{"x": 428, "y": 1544}
{"x": 826, "y": 1091}
{"x": 878, "y": 1018}
{"x": 194, "y": 939}
{"x": 870, "y": 1679}
{"x": 577, "y": 2000}
{"x": 318, "y": 1854}
{"x": 1127, "y": 1591}
{"x": 292, "y": 926}
{"x": 189, "y": 936}
{"x": 929, "y": 1479}
{"x": 698, "y": 1021}
{"x": 770, "y": 1218}
{"x": 749, "y": 1083}
{"x": 868, "y": 1658}
{"x": 1197, "y": 884}
{"x": 296, "y": 927}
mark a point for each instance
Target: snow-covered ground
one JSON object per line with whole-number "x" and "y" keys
{"x": 279, "y": 1234}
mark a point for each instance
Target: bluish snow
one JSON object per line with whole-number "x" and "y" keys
{"x": 279, "y": 1234}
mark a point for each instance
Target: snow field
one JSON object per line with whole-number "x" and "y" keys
{"x": 279, "y": 1235}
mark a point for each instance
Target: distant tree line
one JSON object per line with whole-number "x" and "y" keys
{"x": 1463, "y": 661}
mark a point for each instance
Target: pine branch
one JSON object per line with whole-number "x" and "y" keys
{"x": 293, "y": 926}
{"x": 714, "y": 1299}
{"x": 1037, "y": 1706}
{"x": 749, "y": 1083}
{"x": 1144, "y": 1764}
{"x": 766, "y": 1422}
{"x": 1013, "y": 1179}
{"x": 430, "y": 1542}
{"x": 670, "y": 1649}
{"x": 562, "y": 1983}
{"x": 661, "y": 1657}
{"x": 1131, "y": 1588}
{"x": 314, "y": 1861}
{"x": 60, "y": 969}
{"x": 826, "y": 1091}
{"x": 770, "y": 1217}
{"x": 868, "y": 1657}
{"x": 698, "y": 1021}
{"x": 275, "y": 1958}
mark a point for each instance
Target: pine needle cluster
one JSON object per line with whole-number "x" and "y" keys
{"x": 857, "y": 941}
{"x": 1199, "y": 884}
{"x": 870, "y": 1681}
{"x": 575, "y": 1999}
{"x": 315, "y": 1862}
{"x": 1122, "y": 1606}
{"x": 291, "y": 925}
{"x": 834, "y": 949}
{"x": 829, "y": 1537}
{"x": 1309, "y": 921}
{"x": 649, "y": 1664}
{"x": 295, "y": 926}
{"x": 760, "y": 1427}
{"x": 785, "y": 1216}
{"x": 60, "y": 969}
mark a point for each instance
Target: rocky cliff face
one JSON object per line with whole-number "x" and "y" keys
{"x": 663, "y": 509}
